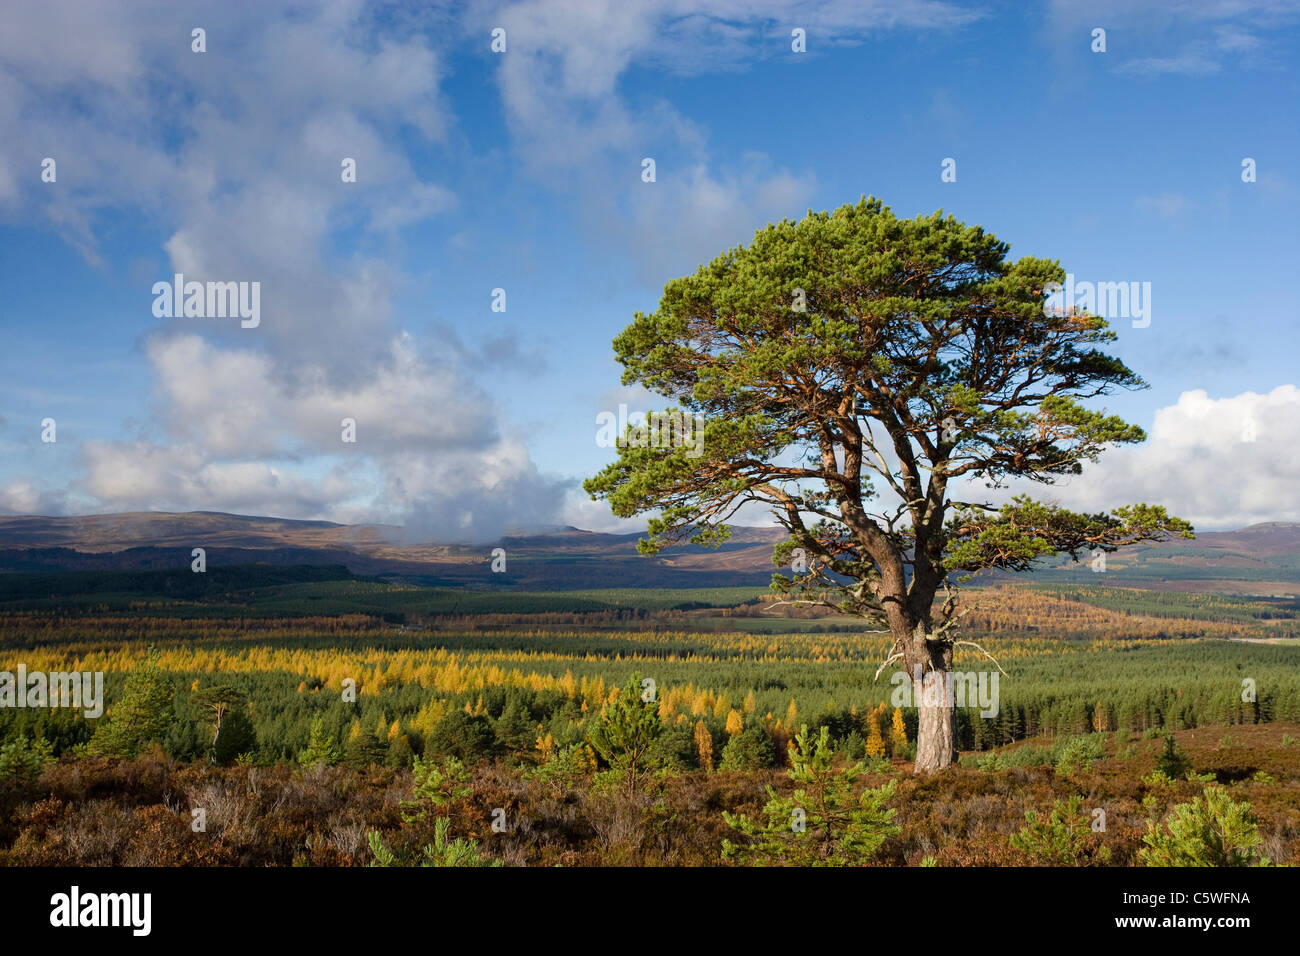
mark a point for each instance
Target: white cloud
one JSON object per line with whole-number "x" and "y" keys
{"x": 143, "y": 476}
{"x": 30, "y": 496}
{"x": 1157, "y": 38}
{"x": 234, "y": 403}
{"x": 1218, "y": 462}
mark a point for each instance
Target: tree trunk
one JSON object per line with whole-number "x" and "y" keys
{"x": 936, "y": 738}
{"x": 936, "y": 746}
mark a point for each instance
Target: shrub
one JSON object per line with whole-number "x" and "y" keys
{"x": 1080, "y": 753}
{"x": 822, "y": 823}
{"x": 1173, "y": 762}
{"x": 749, "y": 750}
{"x": 1212, "y": 830}
{"x": 989, "y": 762}
{"x": 1028, "y": 756}
{"x": 464, "y": 737}
{"x": 441, "y": 852}
{"x": 1065, "y": 838}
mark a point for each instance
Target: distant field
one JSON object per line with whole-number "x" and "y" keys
{"x": 234, "y": 591}
{"x": 1209, "y": 607}
{"x": 240, "y": 593}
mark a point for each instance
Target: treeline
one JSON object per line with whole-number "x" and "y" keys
{"x": 303, "y": 590}
{"x": 1178, "y": 604}
{"x": 25, "y": 589}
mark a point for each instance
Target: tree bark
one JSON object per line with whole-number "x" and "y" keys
{"x": 936, "y": 738}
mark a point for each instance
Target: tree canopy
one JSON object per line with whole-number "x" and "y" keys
{"x": 854, "y": 357}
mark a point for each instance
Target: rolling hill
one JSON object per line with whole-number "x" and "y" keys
{"x": 1260, "y": 559}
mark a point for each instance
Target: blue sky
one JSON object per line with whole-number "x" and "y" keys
{"x": 521, "y": 170}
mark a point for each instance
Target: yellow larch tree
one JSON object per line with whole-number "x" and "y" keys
{"x": 898, "y": 733}
{"x": 704, "y": 745}
{"x": 735, "y": 723}
{"x": 875, "y": 742}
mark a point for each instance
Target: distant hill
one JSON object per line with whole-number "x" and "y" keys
{"x": 555, "y": 559}
{"x": 1260, "y": 559}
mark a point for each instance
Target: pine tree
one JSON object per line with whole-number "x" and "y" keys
{"x": 142, "y": 716}
{"x": 823, "y": 822}
{"x": 1212, "y": 830}
{"x": 363, "y": 748}
{"x": 1065, "y": 838}
{"x": 222, "y": 708}
{"x": 21, "y": 762}
{"x": 437, "y": 783}
{"x": 320, "y": 746}
{"x": 1173, "y": 762}
{"x": 626, "y": 730}
{"x": 400, "y": 754}
{"x": 442, "y": 852}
